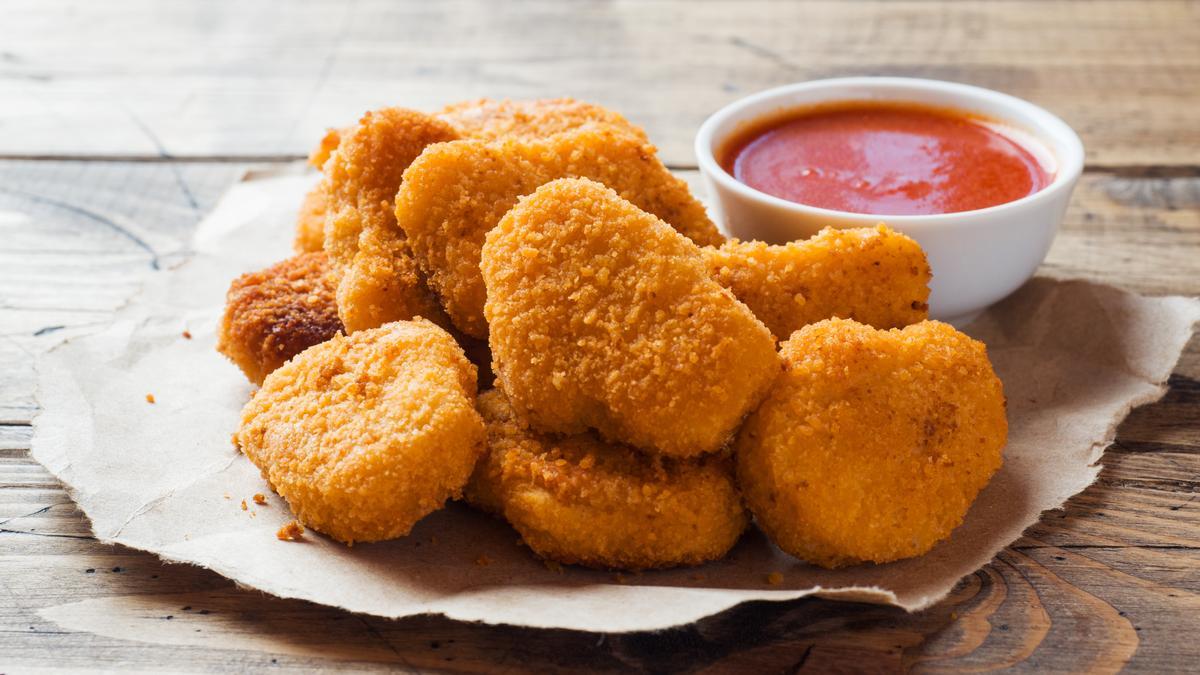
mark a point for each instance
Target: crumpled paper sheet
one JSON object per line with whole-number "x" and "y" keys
{"x": 1074, "y": 357}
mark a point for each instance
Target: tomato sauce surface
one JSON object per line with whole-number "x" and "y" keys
{"x": 884, "y": 159}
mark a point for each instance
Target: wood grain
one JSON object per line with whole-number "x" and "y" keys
{"x": 262, "y": 79}
{"x": 1108, "y": 581}
{"x": 98, "y": 96}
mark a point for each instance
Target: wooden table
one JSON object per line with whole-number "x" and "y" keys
{"x": 122, "y": 122}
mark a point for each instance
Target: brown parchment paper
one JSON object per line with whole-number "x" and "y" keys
{"x": 164, "y": 477}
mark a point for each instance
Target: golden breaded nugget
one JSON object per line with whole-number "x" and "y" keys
{"x": 455, "y": 192}
{"x": 365, "y": 435}
{"x": 872, "y": 444}
{"x": 604, "y": 317}
{"x": 378, "y": 281}
{"x": 872, "y": 275}
{"x": 482, "y": 118}
{"x": 310, "y": 221}
{"x": 489, "y": 119}
{"x": 329, "y": 142}
{"x": 273, "y": 314}
{"x": 581, "y": 500}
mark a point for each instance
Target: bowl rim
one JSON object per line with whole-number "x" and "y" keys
{"x": 1047, "y": 128}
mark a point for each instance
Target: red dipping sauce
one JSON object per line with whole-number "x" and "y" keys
{"x": 884, "y": 159}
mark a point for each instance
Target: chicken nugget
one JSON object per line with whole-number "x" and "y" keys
{"x": 482, "y": 118}
{"x": 604, "y": 317}
{"x": 378, "y": 281}
{"x": 455, "y": 192}
{"x": 310, "y": 221}
{"x": 489, "y": 119}
{"x": 273, "y": 314}
{"x": 366, "y": 434}
{"x": 873, "y": 444}
{"x": 581, "y": 500}
{"x": 328, "y": 143}
{"x": 873, "y": 275}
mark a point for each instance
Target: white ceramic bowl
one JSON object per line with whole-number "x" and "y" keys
{"x": 978, "y": 257}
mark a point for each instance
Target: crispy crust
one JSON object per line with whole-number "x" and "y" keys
{"x": 489, "y": 119}
{"x": 584, "y": 501}
{"x": 273, "y": 314}
{"x": 604, "y": 317}
{"x": 328, "y": 143}
{"x": 455, "y": 192}
{"x": 873, "y": 275}
{"x": 482, "y": 118}
{"x": 364, "y": 435}
{"x": 378, "y": 281}
{"x": 310, "y": 221}
{"x": 873, "y": 444}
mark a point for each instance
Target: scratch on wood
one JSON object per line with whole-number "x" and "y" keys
{"x": 763, "y": 53}
{"x": 89, "y": 214}
{"x": 162, "y": 152}
{"x": 350, "y": 9}
{"x": 803, "y": 659}
{"x": 27, "y": 515}
{"x": 52, "y": 535}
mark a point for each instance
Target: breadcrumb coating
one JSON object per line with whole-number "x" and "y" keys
{"x": 378, "y": 281}
{"x": 581, "y": 500}
{"x": 273, "y": 314}
{"x": 873, "y": 444}
{"x": 365, "y": 435}
{"x": 483, "y": 118}
{"x": 310, "y": 221}
{"x": 604, "y": 317}
{"x": 489, "y": 119}
{"x": 328, "y": 143}
{"x": 874, "y": 275}
{"x": 455, "y": 192}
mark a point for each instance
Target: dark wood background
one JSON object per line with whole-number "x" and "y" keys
{"x": 122, "y": 122}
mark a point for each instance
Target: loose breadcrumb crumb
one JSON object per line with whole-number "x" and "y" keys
{"x": 774, "y": 578}
{"x": 149, "y": 398}
{"x": 292, "y": 531}
{"x": 187, "y": 335}
{"x": 244, "y": 507}
{"x": 259, "y": 498}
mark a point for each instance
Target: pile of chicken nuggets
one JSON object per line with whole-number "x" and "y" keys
{"x": 516, "y": 304}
